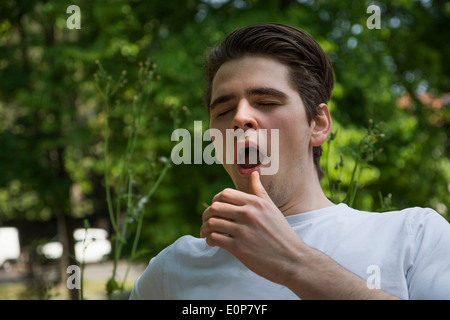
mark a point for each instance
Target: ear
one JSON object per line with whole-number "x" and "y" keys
{"x": 321, "y": 126}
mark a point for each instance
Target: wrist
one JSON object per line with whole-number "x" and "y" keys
{"x": 297, "y": 267}
{"x": 317, "y": 276}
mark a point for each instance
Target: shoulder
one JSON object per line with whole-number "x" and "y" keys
{"x": 183, "y": 248}
{"x": 429, "y": 275}
{"x": 190, "y": 244}
{"x": 423, "y": 228}
{"x": 409, "y": 224}
{"x": 152, "y": 282}
{"x": 414, "y": 217}
{"x": 187, "y": 248}
{"x": 418, "y": 216}
{"x": 425, "y": 224}
{"x": 418, "y": 220}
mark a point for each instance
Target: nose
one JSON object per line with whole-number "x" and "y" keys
{"x": 244, "y": 117}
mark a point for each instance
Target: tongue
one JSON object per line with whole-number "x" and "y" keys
{"x": 250, "y": 161}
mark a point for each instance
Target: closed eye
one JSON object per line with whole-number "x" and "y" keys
{"x": 268, "y": 103}
{"x": 223, "y": 113}
{"x": 261, "y": 104}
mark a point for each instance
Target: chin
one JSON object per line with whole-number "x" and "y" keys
{"x": 242, "y": 184}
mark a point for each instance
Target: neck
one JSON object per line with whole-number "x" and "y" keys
{"x": 307, "y": 196}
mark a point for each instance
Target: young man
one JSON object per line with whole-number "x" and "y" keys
{"x": 278, "y": 236}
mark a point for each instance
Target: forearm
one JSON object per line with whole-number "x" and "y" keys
{"x": 317, "y": 276}
{"x": 253, "y": 229}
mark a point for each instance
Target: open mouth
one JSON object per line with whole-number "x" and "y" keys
{"x": 249, "y": 159}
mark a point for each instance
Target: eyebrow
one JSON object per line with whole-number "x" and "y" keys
{"x": 221, "y": 99}
{"x": 263, "y": 91}
{"x": 267, "y": 92}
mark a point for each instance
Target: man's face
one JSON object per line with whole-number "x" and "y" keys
{"x": 254, "y": 93}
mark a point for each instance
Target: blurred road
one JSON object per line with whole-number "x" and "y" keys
{"x": 95, "y": 275}
{"x": 103, "y": 271}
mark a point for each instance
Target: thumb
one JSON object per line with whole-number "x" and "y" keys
{"x": 257, "y": 188}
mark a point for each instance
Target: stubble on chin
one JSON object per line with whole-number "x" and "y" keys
{"x": 276, "y": 191}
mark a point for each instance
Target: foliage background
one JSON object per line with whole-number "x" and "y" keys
{"x": 52, "y": 116}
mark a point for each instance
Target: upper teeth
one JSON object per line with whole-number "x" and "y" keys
{"x": 252, "y": 152}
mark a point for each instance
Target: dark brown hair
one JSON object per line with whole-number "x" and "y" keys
{"x": 311, "y": 72}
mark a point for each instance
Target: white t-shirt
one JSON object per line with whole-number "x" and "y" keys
{"x": 405, "y": 253}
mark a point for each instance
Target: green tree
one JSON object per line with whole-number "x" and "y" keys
{"x": 53, "y": 117}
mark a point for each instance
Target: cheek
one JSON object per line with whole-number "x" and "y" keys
{"x": 218, "y": 139}
{"x": 294, "y": 142}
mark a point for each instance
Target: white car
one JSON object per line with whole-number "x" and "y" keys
{"x": 91, "y": 245}
{"x": 9, "y": 246}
